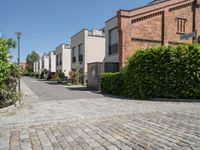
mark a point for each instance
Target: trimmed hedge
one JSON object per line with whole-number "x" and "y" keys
{"x": 159, "y": 72}
{"x": 112, "y": 83}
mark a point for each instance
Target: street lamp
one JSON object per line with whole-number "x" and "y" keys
{"x": 18, "y": 60}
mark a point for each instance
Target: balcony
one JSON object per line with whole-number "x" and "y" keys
{"x": 96, "y": 33}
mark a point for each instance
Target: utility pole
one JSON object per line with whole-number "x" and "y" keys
{"x": 18, "y": 60}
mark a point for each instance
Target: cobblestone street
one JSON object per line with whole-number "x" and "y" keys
{"x": 97, "y": 122}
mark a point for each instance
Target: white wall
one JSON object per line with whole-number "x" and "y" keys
{"x": 93, "y": 47}
{"x": 65, "y": 52}
{"x": 76, "y": 40}
{"x": 40, "y": 65}
{"x": 52, "y": 62}
{"x": 66, "y": 64}
{"x": 34, "y": 67}
{"x": 45, "y": 62}
{"x": 111, "y": 24}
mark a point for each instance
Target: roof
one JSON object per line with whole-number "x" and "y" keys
{"x": 156, "y": 1}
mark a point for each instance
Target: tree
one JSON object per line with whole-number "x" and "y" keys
{"x": 9, "y": 74}
{"x": 30, "y": 59}
{"x": 5, "y": 58}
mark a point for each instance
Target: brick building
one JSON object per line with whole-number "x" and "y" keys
{"x": 160, "y": 22}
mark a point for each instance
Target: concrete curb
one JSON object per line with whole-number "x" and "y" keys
{"x": 29, "y": 95}
{"x": 10, "y": 108}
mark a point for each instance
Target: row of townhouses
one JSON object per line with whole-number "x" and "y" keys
{"x": 86, "y": 47}
{"x": 157, "y": 23}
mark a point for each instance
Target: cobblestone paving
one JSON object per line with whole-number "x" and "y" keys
{"x": 100, "y": 124}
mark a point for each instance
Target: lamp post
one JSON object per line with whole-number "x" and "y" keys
{"x": 18, "y": 44}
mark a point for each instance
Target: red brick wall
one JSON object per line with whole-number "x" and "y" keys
{"x": 171, "y": 24}
{"x": 198, "y": 20}
{"x": 141, "y": 28}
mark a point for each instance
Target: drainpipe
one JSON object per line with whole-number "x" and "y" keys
{"x": 194, "y": 6}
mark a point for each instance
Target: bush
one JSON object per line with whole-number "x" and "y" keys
{"x": 43, "y": 74}
{"x": 55, "y": 78}
{"x": 61, "y": 75}
{"x": 10, "y": 73}
{"x": 166, "y": 72}
{"x": 32, "y": 74}
{"x": 112, "y": 83}
{"x": 74, "y": 77}
{"x": 26, "y": 73}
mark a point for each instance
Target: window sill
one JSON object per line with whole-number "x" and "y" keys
{"x": 180, "y": 33}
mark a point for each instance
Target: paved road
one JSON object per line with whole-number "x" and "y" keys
{"x": 90, "y": 121}
{"x": 48, "y": 92}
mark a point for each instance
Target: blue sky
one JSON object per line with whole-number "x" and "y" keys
{"x": 47, "y": 23}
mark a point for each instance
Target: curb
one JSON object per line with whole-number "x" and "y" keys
{"x": 10, "y": 108}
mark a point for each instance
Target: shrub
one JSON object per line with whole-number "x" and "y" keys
{"x": 166, "y": 72}
{"x": 55, "y": 77}
{"x": 112, "y": 83}
{"x": 170, "y": 72}
{"x": 43, "y": 74}
{"x": 74, "y": 77}
{"x": 61, "y": 75}
{"x": 32, "y": 74}
{"x": 26, "y": 73}
{"x": 10, "y": 73}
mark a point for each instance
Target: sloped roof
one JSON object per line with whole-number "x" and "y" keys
{"x": 157, "y": 1}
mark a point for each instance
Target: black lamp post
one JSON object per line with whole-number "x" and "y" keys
{"x": 18, "y": 44}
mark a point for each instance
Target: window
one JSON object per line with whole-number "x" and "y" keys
{"x": 198, "y": 40}
{"x": 181, "y": 25}
{"x": 73, "y": 55}
{"x": 49, "y": 62}
{"x": 80, "y": 52}
{"x": 60, "y": 59}
{"x": 113, "y": 41}
{"x": 56, "y": 60}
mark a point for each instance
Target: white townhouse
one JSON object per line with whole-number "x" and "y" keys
{"x": 87, "y": 47}
{"x": 52, "y": 62}
{"x": 63, "y": 59}
{"x": 35, "y": 67}
{"x": 45, "y": 62}
{"x": 39, "y": 65}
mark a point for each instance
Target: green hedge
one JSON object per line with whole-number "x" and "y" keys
{"x": 10, "y": 74}
{"x": 112, "y": 83}
{"x": 166, "y": 72}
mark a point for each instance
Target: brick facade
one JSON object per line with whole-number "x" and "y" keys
{"x": 156, "y": 24}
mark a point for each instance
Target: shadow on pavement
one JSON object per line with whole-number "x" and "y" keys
{"x": 77, "y": 88}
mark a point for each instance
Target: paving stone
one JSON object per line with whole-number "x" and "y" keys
{"x": 99, "y": 123}
{"x": 112, "y": 147}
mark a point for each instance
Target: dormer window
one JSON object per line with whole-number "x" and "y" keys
{"x": 181, "y": 25}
